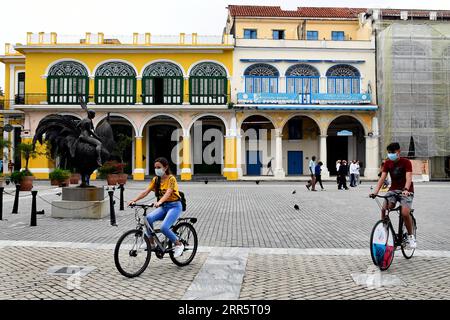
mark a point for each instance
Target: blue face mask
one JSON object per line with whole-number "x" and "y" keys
{"x": 159, "y": 172}
{"x": 392, "y": 156}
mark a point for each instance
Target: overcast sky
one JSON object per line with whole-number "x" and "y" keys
{"x": 155, "y": 16}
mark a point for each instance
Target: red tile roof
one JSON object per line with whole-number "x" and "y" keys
{"x": 304, "y": 12}
{"x": 324, "y": 12}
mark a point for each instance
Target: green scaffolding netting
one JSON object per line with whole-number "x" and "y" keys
{"x": 414, "y": 87}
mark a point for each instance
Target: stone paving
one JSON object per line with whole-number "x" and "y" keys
{"x": 330, "y": 277}
{"x": 24, "y": 276}
{"x": 282, "y": 253}
{"x": 250, "y": 215}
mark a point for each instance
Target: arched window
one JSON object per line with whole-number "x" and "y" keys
{"x": 302, "y": 79}
{"x": 162, "y": 83}
{"x": 261, "y": 78}
{"x": 208, "y": 84}
{"x": 115, "y": 83}
{"x": 65, "y": 81}
{"x": 343, "y": 79}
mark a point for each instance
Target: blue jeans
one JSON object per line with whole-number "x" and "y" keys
{"x": 169, "y": 212}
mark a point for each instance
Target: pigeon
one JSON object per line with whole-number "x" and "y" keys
{"x": 296, "y": 207}
{"x": 294, "y": 192}
{"x": 257, "y": 181}
{"x": 206, "y": 181}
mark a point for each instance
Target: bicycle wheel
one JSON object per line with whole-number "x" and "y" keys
{"x": 408, "y": 253}
{"x": 131, "y": 255}
{"x": 382, "y": 245}
{"x": 188, "y": 236}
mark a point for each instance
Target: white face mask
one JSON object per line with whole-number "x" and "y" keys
{"x": 159, "y": 172}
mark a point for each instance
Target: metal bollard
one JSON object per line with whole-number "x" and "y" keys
{"x": 33, "y": 222}
{"x": 16, "y": 200}
{"x": 1, "y": 202}
{"x": 111, "y": 207}
{"x": 122, "y": 188}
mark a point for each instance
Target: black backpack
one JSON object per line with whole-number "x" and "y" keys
{"x": 182, "y": 197}
{"x": 183, "y": 200}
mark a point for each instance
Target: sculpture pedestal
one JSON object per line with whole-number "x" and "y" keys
{"x": 81, "y": 203}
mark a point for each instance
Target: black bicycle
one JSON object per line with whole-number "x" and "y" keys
{"x": 384, "y": 241}
{"x": 133, "y": 249}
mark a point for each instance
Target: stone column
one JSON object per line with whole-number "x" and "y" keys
{"x": 372, "y": 157}
{"x": 186, "y": 172}
{"x": 323, "y": 156}
{"x": 138, "y": 172}
{"x": 230, "y": 170}
{"x": 239, "y": 154}
{"x": 279, "y": 172}
{"x": 5, "y": 149}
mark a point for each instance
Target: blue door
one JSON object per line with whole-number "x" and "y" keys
{"x": 253, "y": 163}
{"x": 295, "y": 162}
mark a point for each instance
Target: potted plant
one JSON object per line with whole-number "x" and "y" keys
{"x": 121, "y": 176}
{"x": 108, "y": 171}
{"x": 60, "y": 177}
{"x": 24, "y": 178}
{"x": 123, "y": 142}
{"x": 75, "y": 178}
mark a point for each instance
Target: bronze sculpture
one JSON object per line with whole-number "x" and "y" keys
{"x": 75, "y": 142}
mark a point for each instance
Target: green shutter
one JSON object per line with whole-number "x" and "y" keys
{"x": 115, "y": 90}
{"x": 207, "y": 90}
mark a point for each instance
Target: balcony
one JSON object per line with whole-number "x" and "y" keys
{"x": 184, "y": 100}
{"x": 313, "y": 101}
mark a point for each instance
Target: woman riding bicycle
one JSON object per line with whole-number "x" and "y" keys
{"x": 168, "y": 206}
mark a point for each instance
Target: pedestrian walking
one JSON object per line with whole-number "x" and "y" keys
{"x": 358, "y": 172}
{"x": 353, "y": 173}
{"x": 342, "y": 175}
{"x": 318, "y": 175}
{"x": 338, "y": 164}
{"x": 312, "y": 167}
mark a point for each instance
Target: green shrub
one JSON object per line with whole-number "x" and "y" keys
{"x": 60, "y": 175}
{"x": 17, "y": 176}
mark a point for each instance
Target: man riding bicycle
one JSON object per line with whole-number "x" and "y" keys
{"x": 402, "y": 188}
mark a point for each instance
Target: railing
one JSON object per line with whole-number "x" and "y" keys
{"x": 133, "y": 39}
{"x": 303, "y": 98}
{"x": 140, "y": 99}
{"x": 9, "y": 50}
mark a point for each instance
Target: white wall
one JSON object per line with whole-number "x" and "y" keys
{"x": 340, "y": 50}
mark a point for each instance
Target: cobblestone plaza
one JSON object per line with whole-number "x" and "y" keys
{"x": 253, "y": 245}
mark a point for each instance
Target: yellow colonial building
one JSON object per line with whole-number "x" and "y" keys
{"x": 301, "y": 81}
{"x": 149, "y": 86}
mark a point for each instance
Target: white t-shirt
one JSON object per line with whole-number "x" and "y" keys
{"x": 354, "y": 168}
{"x": 337, "y": 166}
{"x": 312, "y": 166}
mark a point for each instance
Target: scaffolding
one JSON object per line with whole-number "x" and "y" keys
{"x": 413, "y": 70}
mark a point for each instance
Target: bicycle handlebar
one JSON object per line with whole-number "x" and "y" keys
{"x": 141, "y": 205}
{"x": 397, "y": 193}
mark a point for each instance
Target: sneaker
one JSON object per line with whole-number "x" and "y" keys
{"x": 178, "y": 250}
{"x": 411, "y": 243}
